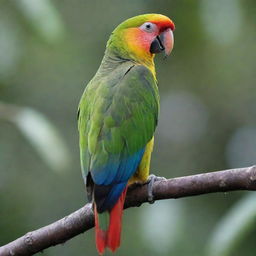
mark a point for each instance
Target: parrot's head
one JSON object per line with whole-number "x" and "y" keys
{"x": 141, "y": 37}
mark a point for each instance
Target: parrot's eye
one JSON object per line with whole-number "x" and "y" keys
{"x": 148, "y": 27}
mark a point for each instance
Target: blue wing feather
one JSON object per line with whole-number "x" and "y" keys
{"x": 122, "y": 173}
{"x": 117, "y": 170}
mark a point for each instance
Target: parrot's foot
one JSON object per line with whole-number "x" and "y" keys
{"x": 151, "y": 180}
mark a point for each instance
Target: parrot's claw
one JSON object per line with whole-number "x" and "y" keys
{"x": 151, "y": 180}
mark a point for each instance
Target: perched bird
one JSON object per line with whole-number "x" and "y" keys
{"x": 117, "y": 118}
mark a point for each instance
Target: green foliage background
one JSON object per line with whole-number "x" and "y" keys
{"x": 49, "y": 50}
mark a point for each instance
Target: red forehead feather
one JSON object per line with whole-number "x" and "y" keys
{"x": 164, "y": 24}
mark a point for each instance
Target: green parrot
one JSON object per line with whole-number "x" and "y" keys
{"x": 117, "y": 118}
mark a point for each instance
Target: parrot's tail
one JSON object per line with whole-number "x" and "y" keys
{"x": 108, "y": 226}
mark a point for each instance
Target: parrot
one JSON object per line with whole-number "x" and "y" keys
{"x": 117, "y": 118}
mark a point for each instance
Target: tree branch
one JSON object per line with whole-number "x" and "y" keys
{"x": 83, "y": 219}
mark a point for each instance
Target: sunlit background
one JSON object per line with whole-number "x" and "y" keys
{"x": 50, "y": 49}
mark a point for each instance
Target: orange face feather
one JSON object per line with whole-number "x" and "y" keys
{"x": 139, "y": 39}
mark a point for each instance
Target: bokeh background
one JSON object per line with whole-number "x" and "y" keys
{"x": 50, "y": 49}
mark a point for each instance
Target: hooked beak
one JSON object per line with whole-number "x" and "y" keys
{"x": 163, "y": 42}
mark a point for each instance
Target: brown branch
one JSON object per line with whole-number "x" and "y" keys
{"x": 83, "y": 219}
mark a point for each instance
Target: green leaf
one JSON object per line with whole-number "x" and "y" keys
{"x": 233, "y": 228}
{"x": 43, "y": 17}
{"x": 11, "y": 45}
{"x": 41, "y": 133}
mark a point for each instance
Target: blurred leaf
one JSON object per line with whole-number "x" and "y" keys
{"x": 219, "y": 22}
{"x": 233, "y": 228}
{"x": 168, "y": 228}
{"x": 39, "y": 131}
{"x": 44, "y": 17}
{"x": 11, "y": 46}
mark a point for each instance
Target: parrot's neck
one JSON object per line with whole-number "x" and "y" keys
{"x": 111, "y": 61}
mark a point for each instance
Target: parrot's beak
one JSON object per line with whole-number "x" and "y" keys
{"x": 163, "y": 42}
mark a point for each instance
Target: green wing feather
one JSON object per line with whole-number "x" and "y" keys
{"x": 117, "y": 118}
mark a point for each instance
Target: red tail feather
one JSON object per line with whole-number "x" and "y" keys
{"x": 100, "y": 235}
{"x": 111, "y": 237}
